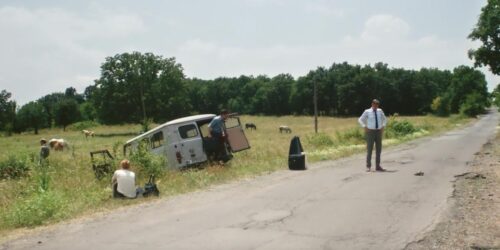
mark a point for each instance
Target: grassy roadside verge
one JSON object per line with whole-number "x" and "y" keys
{"x": 66, "y": 187}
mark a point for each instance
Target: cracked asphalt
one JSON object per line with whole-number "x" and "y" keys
{"x": 333, "y": 205}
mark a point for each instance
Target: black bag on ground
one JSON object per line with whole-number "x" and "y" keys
{"x": 296, "y": 157}
{"x": 150, "y": 188}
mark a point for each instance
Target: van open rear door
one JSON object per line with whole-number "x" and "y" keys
{"x": 235, "y": 136}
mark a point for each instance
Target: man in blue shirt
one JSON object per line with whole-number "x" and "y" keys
{"x": 217, "y": 132}
{"x": 373, "y": 121}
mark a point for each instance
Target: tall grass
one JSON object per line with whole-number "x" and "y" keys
{"x": 67, "y": 188}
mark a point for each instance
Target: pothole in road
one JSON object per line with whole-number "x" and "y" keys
{"x": 448, "y": 136}
{"x": 457, "y": 133}
{"x": 402, "y": 161}
{"x": 271, "y": 215}
{"x": 352, "y": 177}
{"x": 405, "y": 161}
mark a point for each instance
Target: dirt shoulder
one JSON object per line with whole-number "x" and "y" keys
{"x": 473, "y": 218}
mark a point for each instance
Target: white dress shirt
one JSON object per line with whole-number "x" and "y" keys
{"x": 367, "y": 119}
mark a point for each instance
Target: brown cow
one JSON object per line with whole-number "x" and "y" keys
{"x": 58, "y": 144}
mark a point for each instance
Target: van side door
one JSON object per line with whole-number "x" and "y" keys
{"x": 191, "y": 145}
{"x": 235, "y": 136}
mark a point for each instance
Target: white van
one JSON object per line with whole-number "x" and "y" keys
{"x": 184, "y": 141}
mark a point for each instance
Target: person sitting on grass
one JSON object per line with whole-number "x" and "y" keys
{"x": 124, "y": 182}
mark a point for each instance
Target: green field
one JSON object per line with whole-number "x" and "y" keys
{"x": 67, "y": 188}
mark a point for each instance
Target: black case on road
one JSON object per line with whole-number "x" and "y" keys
{"x": 296, "y": 158}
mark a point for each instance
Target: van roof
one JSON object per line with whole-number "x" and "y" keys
{"x": 193, "y": 118}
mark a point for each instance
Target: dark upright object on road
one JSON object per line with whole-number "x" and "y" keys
{"x": 296, "y": 156}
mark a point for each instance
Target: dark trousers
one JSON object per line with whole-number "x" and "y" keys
{"x": 117, "y": 194}
{"x": 139, "y": 191}
{"x": 373, "y": 136}
{"x": 220, "y": 146}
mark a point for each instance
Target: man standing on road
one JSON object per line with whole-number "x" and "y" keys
{"x": 373, "y": 121}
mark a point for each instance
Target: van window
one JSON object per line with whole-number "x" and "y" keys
{"x": 232, "y": 122}
{"x": 157, "y": 140}
{"x": 188, "y": 131}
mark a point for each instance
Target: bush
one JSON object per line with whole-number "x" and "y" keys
{"x": 78, "y": 126}
{"x": 148, "y": 163}
{"x": 496, "y": 97}
{"x": 474, "y": 105}
{"x": 8, "y": 129}
{"x": 441, "y": 106}
{"x": 14, "y": 167}
{"x": 320, "y": 140}
{"x": 35, "y": 210}
{"x": 43, "y": 179}
{"x": 400, "y": 128}
{"x": 353, "y": 135}
{"x": 146, "y": 124}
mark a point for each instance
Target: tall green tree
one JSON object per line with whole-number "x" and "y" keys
{"x": 67, "y": 111}
{"x": 71, "y": 93}
{"x": 49, "y": 103}
{"x": 496, "y": 96}
{"x": 278, "y": 93}
{"x": 134, "y": 84}
{"x": 466, "y": 81}
{"x": 7, "y": 111}
{"x": 31, "y": 115}
{"x": 87, "y": 111}
{"x": 487, "y": 31}
{"x": 301, "y": 95}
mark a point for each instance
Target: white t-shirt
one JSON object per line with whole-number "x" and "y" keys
{"x": 126, "y": 182}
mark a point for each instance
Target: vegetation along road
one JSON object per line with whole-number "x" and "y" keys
{"x": 333, "y": 205}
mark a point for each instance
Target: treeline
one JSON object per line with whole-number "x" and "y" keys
{"x": 344, "y": 90}
{"x": 56, "y": 109}
{"x": 140, "y": 88}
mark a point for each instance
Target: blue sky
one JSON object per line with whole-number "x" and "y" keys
{"x": 47, "y": 46}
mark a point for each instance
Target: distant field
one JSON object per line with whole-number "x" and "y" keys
{"x": 73, "y": 190}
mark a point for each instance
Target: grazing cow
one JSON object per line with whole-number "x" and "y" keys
{"x": 88, "y": 133}
{"x": 58, "y": 144}
{"x": 285, "y": 129}
{"x": 250, "y": 126}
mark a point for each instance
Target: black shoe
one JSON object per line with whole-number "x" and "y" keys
{"x": 379, "y": 168}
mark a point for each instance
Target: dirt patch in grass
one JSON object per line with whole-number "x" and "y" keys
{"x": 473, "y": 219}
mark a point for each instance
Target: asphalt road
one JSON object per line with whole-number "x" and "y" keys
{"x": 333, "y": 205}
